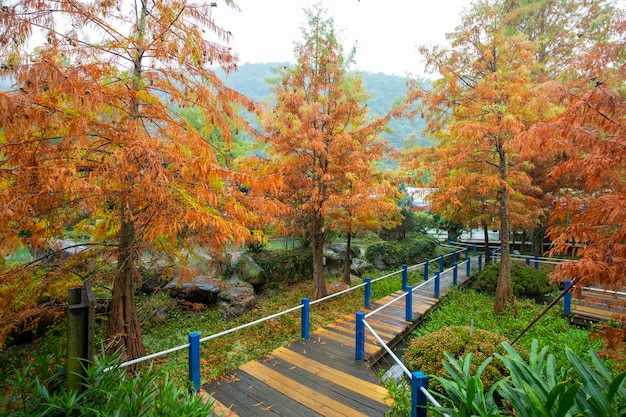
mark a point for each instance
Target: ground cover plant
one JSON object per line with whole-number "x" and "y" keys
{"x": 39, "y": 389}
{"x": 167, "y": 323}
{"x": 474, "y": 310}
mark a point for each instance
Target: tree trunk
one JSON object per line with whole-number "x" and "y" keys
{"x": 504, "y": 290}
{"x": 348, "y": 261}
{"x": 522, "y": 244}
{"x": 486, "y": 240}
{"x": 538, "y": 235}
{"x": 319, "y": 284}
{"x": 123, "y": 332}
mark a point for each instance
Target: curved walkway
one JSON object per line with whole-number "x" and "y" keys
{"x": 320, "y": 376}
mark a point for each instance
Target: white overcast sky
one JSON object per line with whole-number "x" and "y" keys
{"x": 386, "y": 33}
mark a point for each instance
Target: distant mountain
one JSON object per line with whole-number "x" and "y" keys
{"x": 384, "y": 89}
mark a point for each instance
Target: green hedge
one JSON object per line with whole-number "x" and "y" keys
{"x": 409, "y": 251}
{"x": 286, "y": 266}
{"x": 526, "y": 280}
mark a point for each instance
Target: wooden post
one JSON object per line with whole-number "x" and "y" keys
{"x": 194, "y": 359}
{"x": 80, "y": 334}
{"x": 418, "y": 399}
{"x": 408, "y": 305}
{"x": 360, "y": 337}
{"x": 305, "y": 318}
{"x": 405, "y": 275}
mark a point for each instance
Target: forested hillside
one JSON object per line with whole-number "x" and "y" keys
{"x": 250, "y": 79}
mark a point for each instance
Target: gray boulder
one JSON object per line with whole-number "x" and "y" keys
{"x": 239, "y": 299}
{"x": 359, "y": 266}
{"x": 250, "y": 271}
{"x": 200, "y": 289}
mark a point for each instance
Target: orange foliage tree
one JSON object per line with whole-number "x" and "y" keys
{"x": 562, "y": 31}
{"x": 94, "y": 145}
{"x": 484, "y": 100}
{"x": 320, "y": 136}
{"x": 588, "y": 219}
{"x": 367, "y": 203}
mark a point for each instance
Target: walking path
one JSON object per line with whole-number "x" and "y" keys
{"x": 320, "y": 376}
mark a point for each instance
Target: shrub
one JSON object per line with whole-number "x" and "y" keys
{"x": 526, "y": 280}
{"x": 425, "y": 354}
{"x": 383, "y": 255}
{"x": 534, "y": 387}
{"x": 40, "y": 389}
{"x": 286, "y": 266}
{"x": 414, "y": 249}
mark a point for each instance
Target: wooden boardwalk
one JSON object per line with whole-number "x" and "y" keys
{"x": 595, "y": 306}
{"x": 320, "y": 376}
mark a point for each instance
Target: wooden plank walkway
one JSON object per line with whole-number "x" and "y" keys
{"x": 595, "y": 306}
{"x": 320, "y": 376}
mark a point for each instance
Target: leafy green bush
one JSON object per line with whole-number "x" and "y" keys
{"x": 425, "y": 353}
{"x": 40, "y": 389}
{"x": 410, "y": 251}
{"x": 286, "y": 266}
{"x": 526, "y": 280}
{"x": 534, "y": 387}
{"x": 415, "y": 249}
{"x": 383, "y": 255}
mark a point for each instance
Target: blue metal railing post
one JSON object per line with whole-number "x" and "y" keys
{"x": 480, "y": 262}
{"x": 437, "y": 284}
{"x": 194, "y": 359}
{"x": 455, "y": 274}
{"x": 468, "y": 267}
{"x": 536, "y": 261}
{"x": 467, "y": 252}
{"x": 306, "y": 318}
{"x": 441, "y": 263}
{"x": 453, "y": 257}
{"x": 567, "y": 299}
{"x": 367, "y": 304}
{"x": 408, "y": 305}
{"x": 418, "y": 399}
{"x": 474, "y": 249}
{"x": 527, "y": 261}
{"x": 360, "y": 337}
{"x": 405, "y": 275}
{"x": 491, "y": 256}
{"x": 426, "y": 262}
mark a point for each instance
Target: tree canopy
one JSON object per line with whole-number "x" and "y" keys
{"x": 95, "y": 147}
{"x": 322, "y": 141}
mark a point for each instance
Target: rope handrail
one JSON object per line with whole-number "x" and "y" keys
{"x": 619, "y": 293}
{"x": 387, "y": 349}
{"x": 252, "y": 323}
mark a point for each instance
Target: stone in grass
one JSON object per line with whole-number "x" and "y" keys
{"x": 200, "y": 289}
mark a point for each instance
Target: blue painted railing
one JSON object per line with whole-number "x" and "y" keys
{"x": 419, "y": 381}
